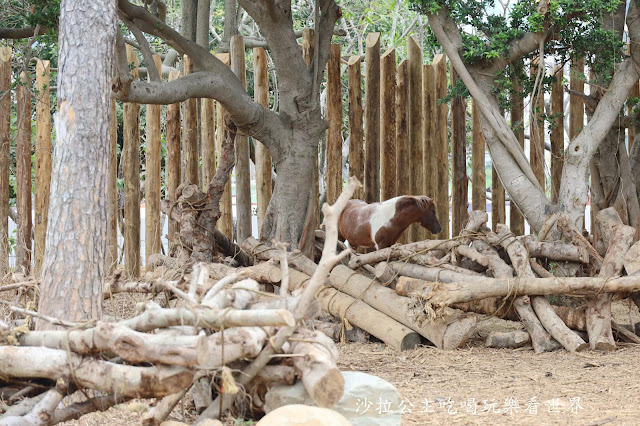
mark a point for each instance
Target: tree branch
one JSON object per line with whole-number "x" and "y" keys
{"x": 492, "y": 118}
{"x": 144, "y": 48}
{"x": 260, "y": 122}
{"x": 18, "y": 33}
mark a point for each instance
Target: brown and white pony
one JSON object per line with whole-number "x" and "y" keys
{"x": 380, "y": 225}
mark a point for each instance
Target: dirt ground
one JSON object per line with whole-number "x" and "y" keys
{"x": 476, "y": 385}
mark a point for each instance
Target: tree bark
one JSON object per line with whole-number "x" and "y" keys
{"x": 43, "y": 162}
{"x": 76, "y": 232}
{"x": 23, "y": 175}
{"x": 5, "y": 145}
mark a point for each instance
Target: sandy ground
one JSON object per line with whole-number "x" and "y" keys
{"x": 475, "y": 385}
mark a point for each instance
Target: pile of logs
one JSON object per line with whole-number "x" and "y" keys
{"x": 222, "y": 334}
{"x": 221, "y": 339}
{"x": 436, "y": 287}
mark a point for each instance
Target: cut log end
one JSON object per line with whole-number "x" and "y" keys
{"x": 328, "y": 391}
{"x": 459, "y": 331}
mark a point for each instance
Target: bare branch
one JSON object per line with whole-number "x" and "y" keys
{"x": 18, "y": 33}
{"x": 144, "y": 48}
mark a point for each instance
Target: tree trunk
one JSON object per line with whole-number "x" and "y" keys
{"x": 285, "y": 217}
{"x": 76, "y": 232}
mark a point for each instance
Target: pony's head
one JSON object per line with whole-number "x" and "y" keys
{"x": 428, "y": 217}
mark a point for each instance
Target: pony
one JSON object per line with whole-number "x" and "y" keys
{"x": 380, "y": 225}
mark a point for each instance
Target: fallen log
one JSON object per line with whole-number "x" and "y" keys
{"x": 498, "y": 307}
{"x": 79, "y": 409}
{"x": 140, "y": 382}
{"x": 41, "y": 412}
{"x": 555, "y": 250}
{"x": 317, "y": 364}
{"x": 541, "y": 307}
{"x": 429, "y": 273}
{"x": 448, "y": 331}
{"x": 198, "y": 316}
{"x": 386, "y": 275}
{"x": 507, "y": 340}
{"x": 263, "y": 251}
{"x": 374, "y": 322}
{"x": 132, "y": 346}
{"x": 448, "y": 293}
{"x": 622, "y": 331}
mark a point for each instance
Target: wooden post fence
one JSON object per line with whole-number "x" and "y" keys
{"x": 5, "y": 159}
{"x": 190, "y": 123}
{"x": 388, "y": 125}
{"x": 152, "y": 180}
{"x": 416, "y": 148}
{"x": 208, "y": 141}
{"x": 516, "y": 220}
{"x": 243, "y": 179}
{"x": 174, "y": 154}
{"x": 460, "y": 185}
{"x": 43, "y": 161}
{"x": 479, "y": 175}
{"x": 372, "y": 119}
{"x": 356, "y": 149}
{"x": 402, "y": 134}
{"x": 111, "y": 256}
{"x": 131, "y": 159}
{"x": 429, "y": 128}
{"x": 225, "y": 223}
{"x": 557, "y": 133}
{"x": 23, "y": 175}
{"x": 442, "y": 147}
{"x": 264, "y": 165}
{"x": 536, "y": 126}
{"x": 334, "y": 132}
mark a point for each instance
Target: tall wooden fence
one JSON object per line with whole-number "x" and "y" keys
{"x": 402, "y": 140}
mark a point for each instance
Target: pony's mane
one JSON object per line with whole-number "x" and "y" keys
{"x": 423, "y": 201}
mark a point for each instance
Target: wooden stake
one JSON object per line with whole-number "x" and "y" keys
{"x": 478, "y": 173}
{"x": 557, "y": 133}
{"x": 5, "y": 144}
{"x": 516, "y": 220}
{"x": 43, "y": 161}
{"x": 460, "y": 184}
{"x": 243, "y": 179}
{"x": 442, "y": 147}
{"x": 313, "y": 215}
{"x": 190, "y": 149}
{"x": 416, "y": 146}
{"x": 23, "y": 174}
{"x": 388, "y": 125}
{"x": 111, "y": 259}
{"x": 131, "y": 154}
{"x": 264, "y": 167}
{"x": 372, "y": 120}
{"x": 208, "y": 141}
{"x": 536, "y": 128}
{"x": 497, "y": 199}
{"x": 153, "y": 170}
{"x": 334, "y": 132}
{"x": 174, "y": 157}
{"x": 429, "y": 129}
{"x": 356, "y": 149}
{"x": 402, "y": 135}
{"x": 225, "y": 223}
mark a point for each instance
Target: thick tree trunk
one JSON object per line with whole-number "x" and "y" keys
{"x": 76, "y": 231}
{"x": 285, "y": 217}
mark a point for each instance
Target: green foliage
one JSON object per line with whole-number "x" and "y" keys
{"x": 488, "y": 32}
